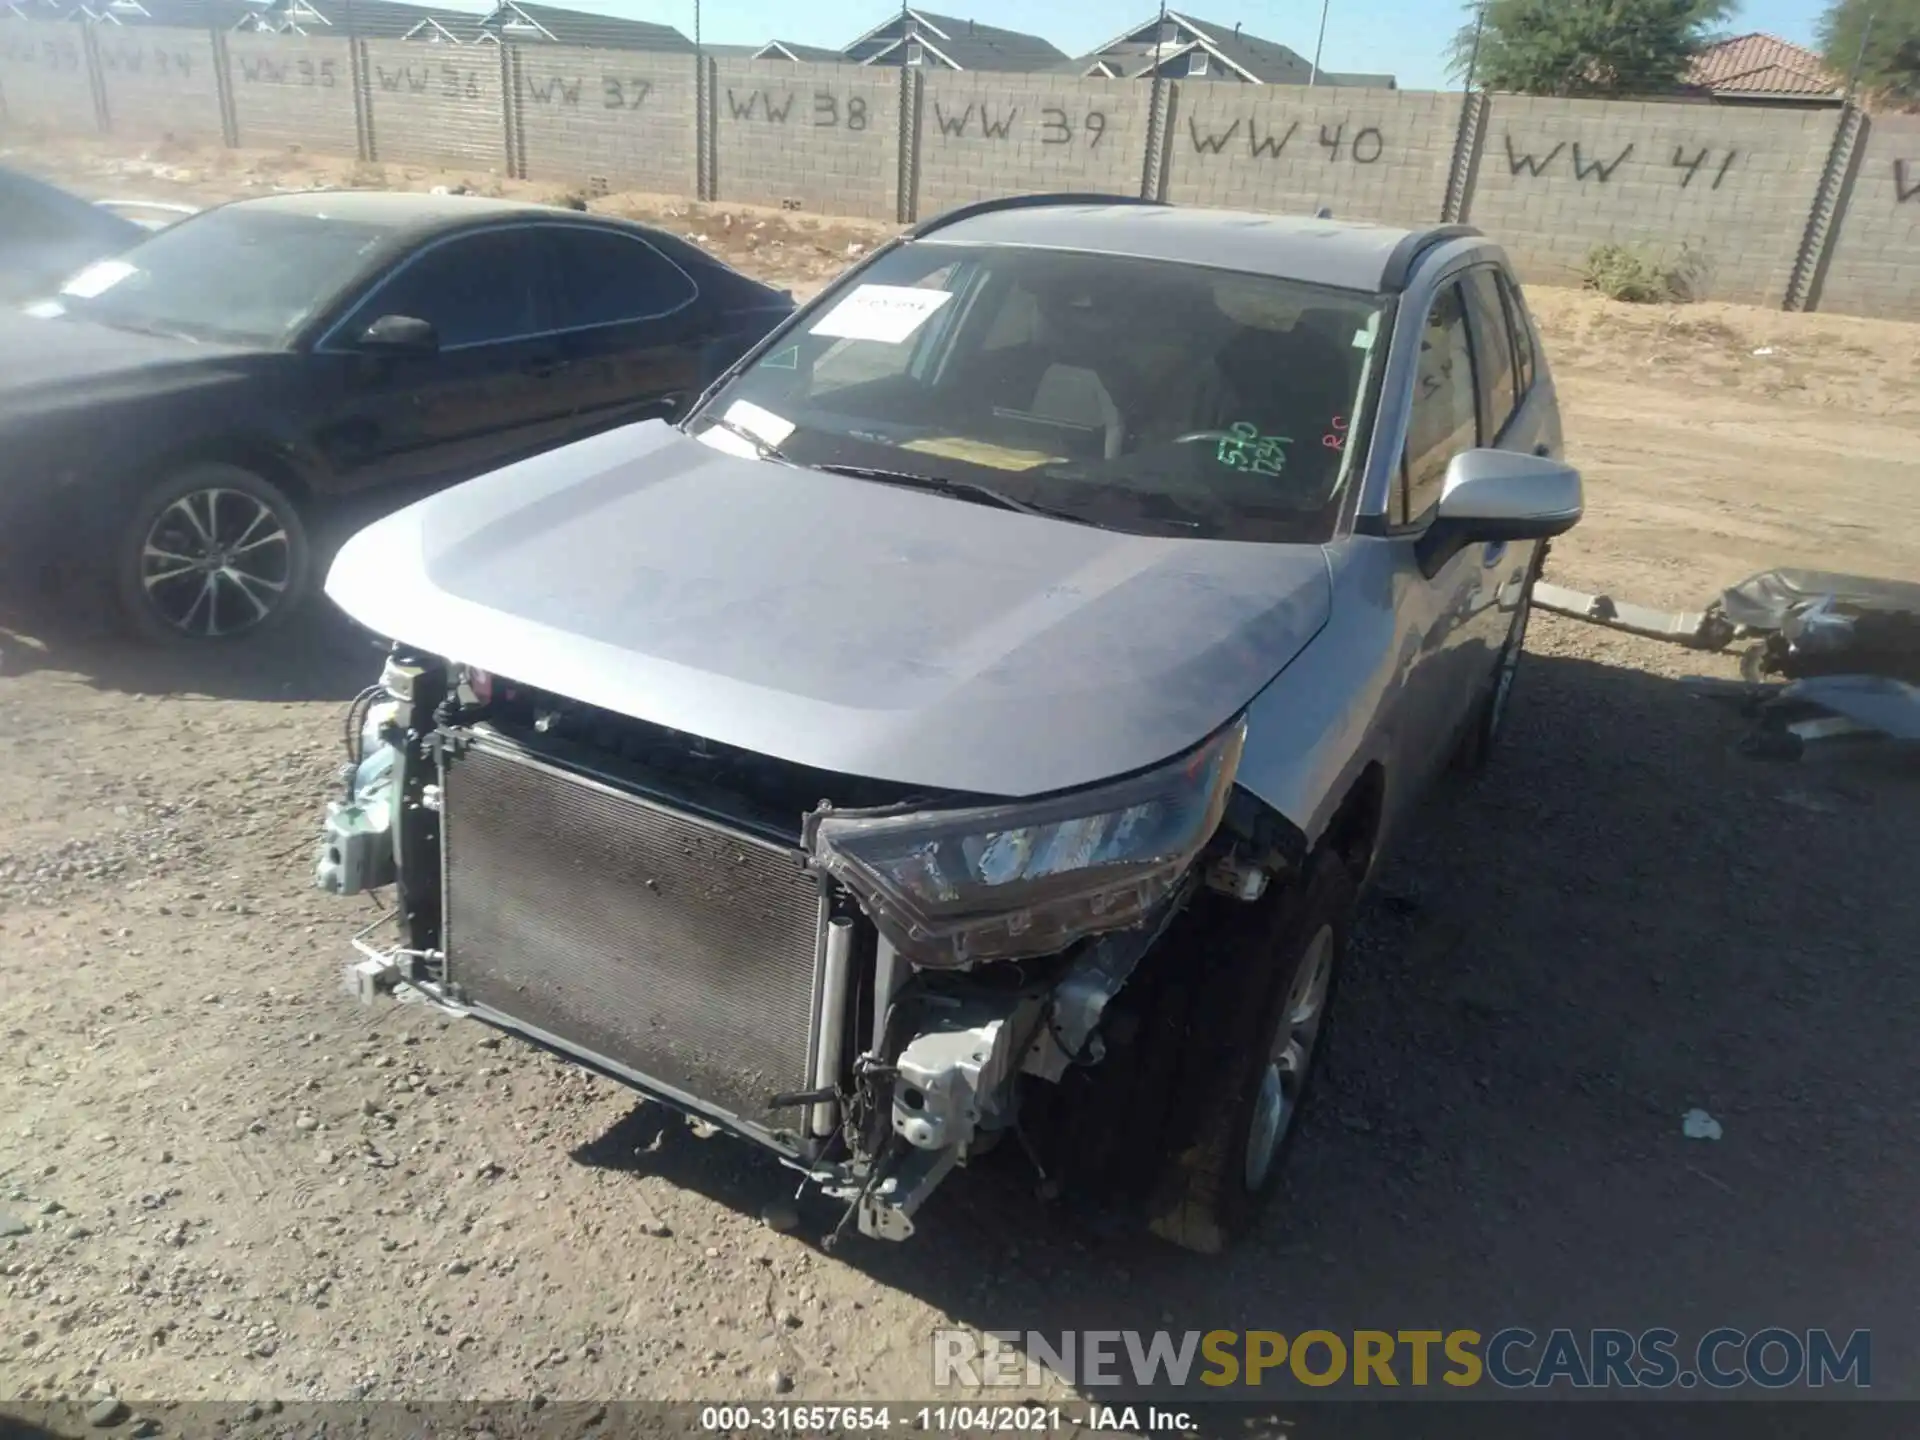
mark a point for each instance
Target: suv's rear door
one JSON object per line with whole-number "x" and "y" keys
{"x": 1517, "y": 412}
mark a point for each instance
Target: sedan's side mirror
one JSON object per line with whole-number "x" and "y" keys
{"x": 1493, "y": 496}
{"x": 402, "y": 334}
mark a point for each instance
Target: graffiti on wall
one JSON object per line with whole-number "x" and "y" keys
{"x": 1362, "y": 146}
{"x": 1055, "y": 126}
{"x": 449, "y": 82}
{"x": 259, "y": 70}
{"x": 612, "y": 92}
{"x": 827, "y": 111}
{"x": 134, "y": 59}
{"x": 1687, "y": 164}
{"x": 58, "y": 53}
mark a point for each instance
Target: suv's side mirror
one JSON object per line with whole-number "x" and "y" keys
{"x": 1499, "y": 495}
{"x": 403, "y": 334}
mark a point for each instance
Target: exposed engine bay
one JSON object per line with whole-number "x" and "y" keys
{"x": 862, "y": 978}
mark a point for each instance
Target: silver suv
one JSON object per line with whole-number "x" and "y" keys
{"x": 979, "y": 715}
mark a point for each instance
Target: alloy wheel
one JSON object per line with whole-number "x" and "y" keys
{"x": 1290, "y": 1057}
{"x": 216, "y": 562}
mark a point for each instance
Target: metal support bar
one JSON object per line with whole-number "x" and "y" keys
{"x": 836, "y": 971}
{"x": 1698, "y": 630}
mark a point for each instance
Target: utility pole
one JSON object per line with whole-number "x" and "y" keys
{"x": 1313, "y": 75}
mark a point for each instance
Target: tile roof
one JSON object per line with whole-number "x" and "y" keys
{"x": 1244, "y": 57}
{"x": 811, "y": 54}
{"x": 372, "y": 19}
{"x": 525, "y": 23}
{"x": 968, "y": 44}
{"x": 1762, "y": 65}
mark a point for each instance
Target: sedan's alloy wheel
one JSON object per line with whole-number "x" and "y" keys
{"x": 216, "y": 562}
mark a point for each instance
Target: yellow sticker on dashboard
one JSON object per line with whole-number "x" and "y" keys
{"x": 982, "y": 452}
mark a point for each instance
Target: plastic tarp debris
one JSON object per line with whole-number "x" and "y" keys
{"x": 1699, "y": 1125}
{"x": 1831, "y": 656}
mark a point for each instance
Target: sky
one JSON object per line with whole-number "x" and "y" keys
{"x": 1404, "y": 38}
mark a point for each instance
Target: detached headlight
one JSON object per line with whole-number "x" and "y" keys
{"x": 1005, "y": 882}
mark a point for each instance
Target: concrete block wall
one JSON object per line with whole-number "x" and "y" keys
{"x": 1733, "y": 185}
{"x": 622, "y": 117}
{"x": 1875, "y": 264}
{"x": 293, "y": 91}
{"x": 436, "y": 105}
{"x": 820, "y": 138}
{"x": 44, "y": 79}
{"x": 1378, "y": 155}
{"x": 981, "y": 135}
{"x": 160, "y": 81}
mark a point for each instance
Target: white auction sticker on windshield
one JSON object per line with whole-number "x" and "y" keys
{"x": 763, "y": 423}
{"x": 97, "y": 279}
{"x": 887, "y": 313}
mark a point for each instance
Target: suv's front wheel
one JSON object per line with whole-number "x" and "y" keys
{"x": 1252, "y": 1042}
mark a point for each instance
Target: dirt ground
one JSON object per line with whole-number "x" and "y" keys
{"x": 220, "y": 1178}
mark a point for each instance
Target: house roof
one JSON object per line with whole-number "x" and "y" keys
{"x": 181, "y": 14}
{"x": 1762, "y": 65}
{"x": 372, "y": 19}
{"x": 794, "y": 50}
{"x": 527, "y": 23}
{"x": 966, "y": 44}
{"x": 1248, "y": 58}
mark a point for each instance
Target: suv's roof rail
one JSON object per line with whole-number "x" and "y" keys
{"x": 1021, "y": 202}
{"x": 1406, "y": 255}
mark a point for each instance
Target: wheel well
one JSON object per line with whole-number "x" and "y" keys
{"x": 249, "y": 452}
{"x": 1355, "y": 826}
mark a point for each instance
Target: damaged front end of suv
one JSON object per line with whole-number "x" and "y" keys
{"x": 867, "y": 980}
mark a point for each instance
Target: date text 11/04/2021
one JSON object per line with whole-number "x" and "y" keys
{"x": 962, "y": 1419}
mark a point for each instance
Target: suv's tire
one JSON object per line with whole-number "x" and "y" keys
{"x": 1490, "y": 715}
{"x": 212, "y": 552}
{"x": 1251, "y": 1047}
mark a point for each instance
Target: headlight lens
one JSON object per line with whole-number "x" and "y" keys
{"x": 1005, "y": 882}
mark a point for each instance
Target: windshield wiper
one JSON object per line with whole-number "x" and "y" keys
{"x": 969, "y": 489}
{"x": 762, "y": 448}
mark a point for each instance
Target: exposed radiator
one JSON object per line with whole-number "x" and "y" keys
{"x": 630, "y": 932}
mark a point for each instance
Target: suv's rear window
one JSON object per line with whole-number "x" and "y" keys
{"x": 1137, "y": 394}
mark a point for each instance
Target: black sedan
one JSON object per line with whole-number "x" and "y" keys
{"x": 172, "y": 421}
{"x": 47, "y": 234}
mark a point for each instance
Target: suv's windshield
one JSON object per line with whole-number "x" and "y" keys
{"x": 1135, "y": 394}
{"x": 234, "y": 275}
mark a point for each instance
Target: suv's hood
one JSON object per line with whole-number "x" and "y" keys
{"x": 833, "y": 622}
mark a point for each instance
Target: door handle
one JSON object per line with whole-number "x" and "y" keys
{"x": 545, "y": 368}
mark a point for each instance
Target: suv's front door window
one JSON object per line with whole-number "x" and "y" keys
{"x": 1445, "y": 418}
{"x": 1136, "y": 394}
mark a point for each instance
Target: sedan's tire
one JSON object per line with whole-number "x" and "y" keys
{"x": 1490, "y": 714}
{"x": 1251, "y": 1048}
{"x": 212, "y": 552}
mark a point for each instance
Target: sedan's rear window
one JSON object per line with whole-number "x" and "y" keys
{"x": 1137, "y": 394}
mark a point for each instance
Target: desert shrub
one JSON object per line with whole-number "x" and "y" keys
{"x": 1632, "y": 275}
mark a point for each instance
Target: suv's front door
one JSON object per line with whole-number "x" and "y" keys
{"x": 1438, "y": 610}
{"x": 494, "y": 391}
